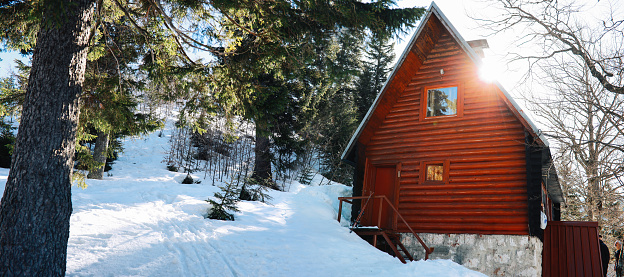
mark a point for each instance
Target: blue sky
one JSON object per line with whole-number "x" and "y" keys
{"x": 6, "y": 64}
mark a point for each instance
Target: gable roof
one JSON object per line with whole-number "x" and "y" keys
{"x": 432, "y": 19}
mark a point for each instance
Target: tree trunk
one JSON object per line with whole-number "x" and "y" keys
{"x": 99, "y": 155}
{"x": 262, "y": 167}
{"x": 36, "y": 205}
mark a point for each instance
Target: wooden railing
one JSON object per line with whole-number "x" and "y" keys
{"x": 382, "y": 198}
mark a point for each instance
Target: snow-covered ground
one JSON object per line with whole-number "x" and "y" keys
{"x": 141, "y": 221}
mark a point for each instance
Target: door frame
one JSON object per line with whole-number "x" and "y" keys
{"x": 369, "y": 176}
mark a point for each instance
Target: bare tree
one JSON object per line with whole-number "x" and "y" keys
{"x": 590, "y": 159}
{"x": 560, "y": 27}
{"x": 565, "y": 30}
{"x": 579, "y": 68}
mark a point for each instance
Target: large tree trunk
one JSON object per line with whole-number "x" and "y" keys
{"x": 99, "y": 155}
{"x": 262, "y": 167}
{"x": 36, "y": 205}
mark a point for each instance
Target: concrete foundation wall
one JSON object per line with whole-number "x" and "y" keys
{"x": 493, "y": 255}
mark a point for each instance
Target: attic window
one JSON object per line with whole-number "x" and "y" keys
{"x": 442, "y": 101}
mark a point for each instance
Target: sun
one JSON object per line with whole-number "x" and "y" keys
{"x": 490, "y": 70}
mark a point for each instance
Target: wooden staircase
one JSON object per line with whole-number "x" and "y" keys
{"x": 391, "y": 237}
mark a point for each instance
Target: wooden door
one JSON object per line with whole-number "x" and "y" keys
{"x": 382, "y": 182}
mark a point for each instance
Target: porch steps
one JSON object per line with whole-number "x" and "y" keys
{"x": 391, "y": 238}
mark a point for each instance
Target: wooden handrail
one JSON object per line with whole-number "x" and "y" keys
{"x": 383, "y": 197}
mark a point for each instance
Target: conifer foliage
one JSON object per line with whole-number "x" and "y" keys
{"x": 224, "y": 201}
{"x": 335, "y": 117}
{"x": 273, "y": 64}
{"x": 376, "y": 66}
{"x": 356, "y": 75}
{"x": 263, "y": 53}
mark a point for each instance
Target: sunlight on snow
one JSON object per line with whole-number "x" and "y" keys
{"x": 230, "y": 229}
{"x": 268, "y": 213}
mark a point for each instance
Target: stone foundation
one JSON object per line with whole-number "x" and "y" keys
{"x": 492, "y": 255}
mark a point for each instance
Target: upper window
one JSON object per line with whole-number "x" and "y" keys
{"x": 442, "y": 101}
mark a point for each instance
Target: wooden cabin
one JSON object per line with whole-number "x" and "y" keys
{"x": 462, "y": 163}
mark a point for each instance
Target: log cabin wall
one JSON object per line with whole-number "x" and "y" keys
{"x": 482, "y": 147}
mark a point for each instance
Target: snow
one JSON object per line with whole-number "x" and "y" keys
{"x": 141, "y": 221}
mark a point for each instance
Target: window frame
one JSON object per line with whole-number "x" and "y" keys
{"x": 445, "y": 173}
{"x": 425, "y": 98}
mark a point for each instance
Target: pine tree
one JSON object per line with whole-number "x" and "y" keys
{"x": 270, "y": 62}
{"x": 34, "y": 227}
{"x": 265, "y": 45}
{"x": 377, "y": 65}
{"x": 12, "y": 90}
{"x": 112, "y": 81}
{"x": 225, "y": 201}
{"x": 335, "y": 119}
{"x": 108, "y": 102}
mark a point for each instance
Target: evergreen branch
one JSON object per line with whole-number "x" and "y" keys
{"x": 125, "y": 11}
{"x": 179, "y": 34}
{"x": 238, "y": 25}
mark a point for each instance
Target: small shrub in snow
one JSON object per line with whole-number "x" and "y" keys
{"x": 306, "y": 175}
{"x": 173, "y": 168}
{"x": 79, "y": 179}
{"x": 225, "y": 201}
{"x": 252, "y": 191}
{"x": 188, "y": 180}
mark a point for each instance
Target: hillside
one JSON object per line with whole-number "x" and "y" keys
{"x": 141, "y": 221}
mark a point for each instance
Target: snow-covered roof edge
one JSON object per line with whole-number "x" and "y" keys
{"x": 433, "y": 8}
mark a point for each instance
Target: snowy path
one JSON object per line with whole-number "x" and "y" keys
{"x": 142, "y": 222}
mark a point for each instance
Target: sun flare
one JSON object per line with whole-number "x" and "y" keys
{"x": 490, "y": 70}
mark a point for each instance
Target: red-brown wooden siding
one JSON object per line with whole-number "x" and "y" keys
{"x": 486, "y": 190}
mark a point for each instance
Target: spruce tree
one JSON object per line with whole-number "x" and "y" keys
{"x": 335, "y": 119}
{"x": 12, "y": 91}
{"x": 112, "y": 82}
{"x": 225, "y": 201}
{"x": 271, "y": 52}
{"x": 36, "y": 205}
{"x": 376, "y": 66}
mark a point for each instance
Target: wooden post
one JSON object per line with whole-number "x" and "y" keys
{"x": 339, "y": 211}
